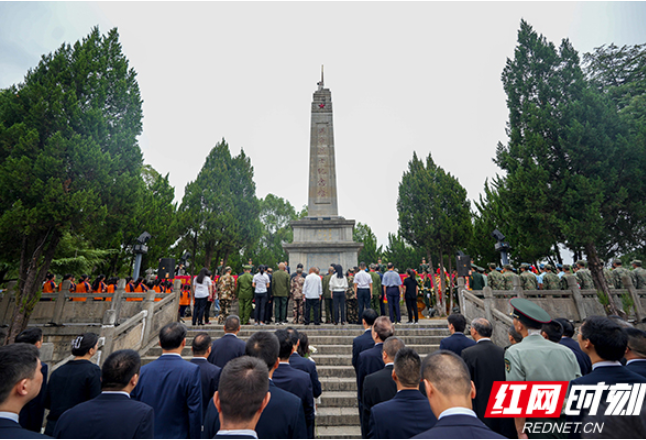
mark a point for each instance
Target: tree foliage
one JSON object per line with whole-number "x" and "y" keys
{"x": 370, "y": 252}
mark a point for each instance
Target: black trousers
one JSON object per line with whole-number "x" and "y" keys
{"x": 261, "y": 305}
{"x": 411, "y": 307}
{"x": 363, "y": 297}
{"x": 338, "y": 302}
{"x": 309, "y": 304}
{"x": 199, "y": 309}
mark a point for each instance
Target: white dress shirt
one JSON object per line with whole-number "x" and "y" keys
{"x": 362, "y": 280}
{"x": 312, "y": 288}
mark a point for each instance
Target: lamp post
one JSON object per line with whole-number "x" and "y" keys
{"x": 139, "y": 250}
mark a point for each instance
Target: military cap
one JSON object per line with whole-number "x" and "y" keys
{"x": 529, "y": 313}
{"x": 566, "y": 267}
{"x": 636, "y": 262}
{"x": 247, "y": 267}
{"x": 491, "y": 265}
{"x": 581, "y": 263}
{"x": 228, "y": 268}
{"x": 509, "y": 267}
{"x": 548, "y": 266}
{"x": 617, "y": 261}
{"x": 524, "y": 266}
{"x": 478, "y": 268}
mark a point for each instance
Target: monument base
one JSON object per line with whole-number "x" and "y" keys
{"x": 321, "y": 241}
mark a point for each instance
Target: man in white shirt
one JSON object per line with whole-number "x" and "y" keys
{"x": 313, "y": 291}
{"x": 363, "y": 288}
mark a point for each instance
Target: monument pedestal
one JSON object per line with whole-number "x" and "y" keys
{"x": 321, "y": 241}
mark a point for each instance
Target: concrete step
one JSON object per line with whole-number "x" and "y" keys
{"x": 324, "y": 330}
{"x": 338, "y": 399}
{"x": 337, "y": 416}
{"x": 338, "y": 432}
{"x": 332, "y": 359}
{"x": 422, "y": 349}
{"x": 336, "y": 371}
{"x": 338, "y": 384}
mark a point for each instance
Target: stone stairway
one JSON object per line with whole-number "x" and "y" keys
{"x": 337, "y": 413}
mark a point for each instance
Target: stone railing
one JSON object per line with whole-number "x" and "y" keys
{"x": 573, "y": 304}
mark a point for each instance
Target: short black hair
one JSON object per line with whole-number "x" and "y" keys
{"x": 293, "y": 334}
{"x": 383, "y": 327}
{"x": 231, "y": 323}
{"x": 447, "y": 372}
{"x": 458, "y": 321}
{"x": 31, "y": 335}
{"x": 264, "y": 346}
{"x": 119, "y": 368}
{"x": 514, "y": 334}
{"x": 608, "y": 337}
{"x": 390, "y": 265}
{"x": 553, "y": 330}
{"x": 407, "y": 367}
{"x": 17, "y": 362}
{"x": 285, "y": 343}
{"x": 637, "y": 341}
{"x": 82, "y": 344}
{"x": 369, "y": 315}
{"x": 171, "y": 335}
{"x": 201, "y": 343}
{"x": 244, "y": 383}
{"x": 392, "y": 345}
{"x": 482, "y": 327}
{"x": 568, "y": 328}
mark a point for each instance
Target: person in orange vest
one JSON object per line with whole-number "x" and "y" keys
{"x": 131, "y": 287}
{"x": 159, "y": 286}
{"x": 69, "y": 277}
{"x": 184, "y": 300}
{"x": 49, "y": 286}
{"x": 83, "y": 287}
{"x": 99, "y": 286}
{"x": 111, "y": 287}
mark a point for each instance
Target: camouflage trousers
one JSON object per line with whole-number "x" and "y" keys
{"x": 225, "y": 310}
{"x": 352, "y": 311}
{"x": 298, "y": 310}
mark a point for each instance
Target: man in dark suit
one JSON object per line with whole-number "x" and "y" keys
{"x": 228, "y": 346}
{"x": 486, "y": 364}
{"x": 306, "y": 365}
{"x": 380, "y": 386}
{"x": 371, "y": 360}
{"x": 20, "y": 381}
{"x": 407, "y": 414}
{"x": 113, "y": 414}
{"x": 283, "y": 417}
{"x": 636, "y": 351}
{"x": 242, "y": 397}
{"x": 294, "y": 381}
{"x": 450, "y": 392}
{"x": 173, "y": 387}
{"x": 568, "y": 332}
{"x": 32, "y": 414}
{"x": 209, "y": 373}
{"x": 605, "y": 342}
{"x": 359, "y": 344}
{"x": 457, "y": 341}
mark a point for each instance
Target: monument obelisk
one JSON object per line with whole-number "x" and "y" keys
{"x": 323, "y": 237}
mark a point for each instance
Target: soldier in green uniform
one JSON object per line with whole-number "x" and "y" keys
{"x": 380, "y": 266}
{"x": 296, "y": 290}
{"x": 527, "y": 278}
{"x": 351, "y": 303}
{"x": 226, "y": 289}
{"x": 244, "y": 292}
{"x": 422, "y": 267}
{"x": 583, "y": 276}
{"x": 638, "y": 274}
{"x": 567, "y": 270}
{"x": 536, "y": 358}
{"x": 252, "y": 267}
{"x": 618, "y": 272}
{"x": 280, "y": 287}
{"x": 551, "y": 281}
{"x": 495, "y": 279}
{"x": 327, "y": 297}
{"x": 220, "y": 270}
{"x": 508, "y": 276}
{"x": 376, "y": 288}
{"x": 477, "y": 281}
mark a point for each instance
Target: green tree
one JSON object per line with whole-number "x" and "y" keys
{"x": 370, "y": 252}
{"x": 68, "y": 156}
{"x": 402, "y": 254}
{"x": 276, "y": 214}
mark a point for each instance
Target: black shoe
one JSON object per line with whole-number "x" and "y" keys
{"x": 316, "y": 323}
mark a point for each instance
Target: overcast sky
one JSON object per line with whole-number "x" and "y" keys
{"x": 404, "y": 77}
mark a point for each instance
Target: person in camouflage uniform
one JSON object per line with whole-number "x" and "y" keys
{"x": 567, "y": 270}
{"x": 638, "y": 274}
{"x": 423, "y": 267}
{"x": 509, "y": 276}
{"x": 583, "y": 276}
{"x": 244, "y": 292}
{"x": 327, "y": 297}
{"x": 220, "y": 270}
{"x": 351, "y": 303}
{"x": 617, "y": 273}
{"x": 495, "y": 279}
{"x": 377, "y": 290}
{"x": 297, "y": 295}
{"x": 527, "y": 278}
{"x": 226, "y": 290}
{"x": 551, "y": 281}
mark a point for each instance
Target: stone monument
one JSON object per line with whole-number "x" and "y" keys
{"x": 323, "y": 237}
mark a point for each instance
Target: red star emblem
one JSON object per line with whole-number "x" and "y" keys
{"x": 321, "y": 105}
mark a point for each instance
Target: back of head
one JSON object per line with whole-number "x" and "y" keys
{"x": 362, "y": 265}
{"x": 636, "y": 341}
{"x": 201, "y": 343}
{"x": 482, "y": 327}
{"x": 410, "y": 272}
{"x": 82, "y": 344}
{"x": 407, "y": 367}
{"x": 608, "y": 337}
{"x": 263, "y": 346}
{"x": 392, "y": 345}
{"x": 303, "y": 344}
{"x": 31, "y": 335}
{"x": 458, "y": 321}
{"x": 568, "y": 328}
{"x": 231, "y": 324}
{"x": 172, "y": 335}
{"x": 383, "y": 327}
{"x": 285, "y": 343}
{"x": 293, "y": 334}
{"x": 338, "y": 269}
{"x": 448, "y": 373}
{"x": 204, "y": 272}
{"x": 390, "y": 265}
{"x": 244, "y": 383}
{"x": 369, "y": 315}
{"x": 17, "y": 362}
{"x": 553, "y": 330}
{"x": 517, "y": 337}
{"x": 119, "y": 368}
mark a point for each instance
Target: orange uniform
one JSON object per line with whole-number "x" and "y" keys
{"x": 49, "y": 287}
{"x": 82, "y": 287}
{"x": 102, "y": 288}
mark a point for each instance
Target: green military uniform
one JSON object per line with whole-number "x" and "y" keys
{"x": 527, "y": 279}
{"x": 610, "y": 278}
{"x": 638, "y": 275}
{"x": 422, "y": 268}
{"x": 327, "y": 300}
{"x": 495, "y": 280}
{"x": 477, "y": 280}
{"x": 280, "y": 286}
{"x": 584, "y": 277}
{"x": 617, "y": 273}
{"x": 298, "y": 297}
{"x": 551, "y": 281}
{"x": 376, "y": 291}
{"x": 244, "y": 292}
{"x": 220, "y": 270}
{"x": 381, "y": 267}
{"x": 563, "y": 281}
{"x": 351, "y": 303}
{"x": 536, "y": 358}
{"x": 226, "y": 291}
{"x": 508, "y": 277}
